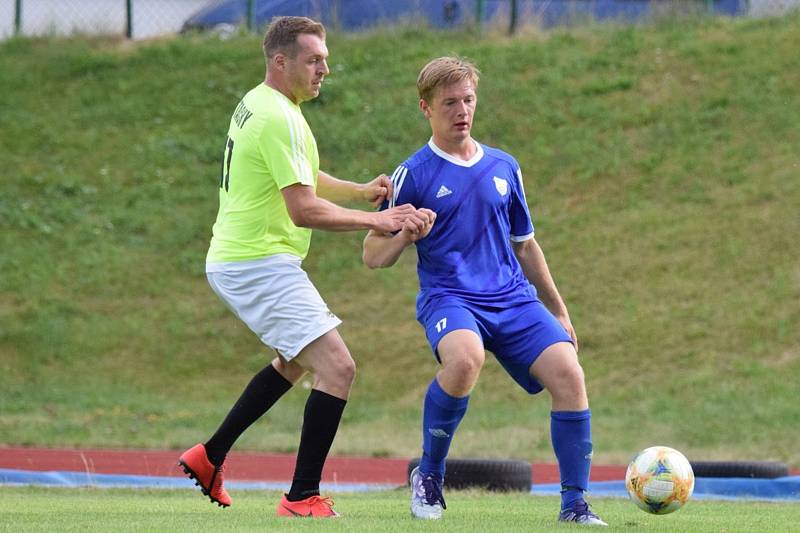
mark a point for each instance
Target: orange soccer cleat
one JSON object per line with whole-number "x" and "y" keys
{"x": 209, "y": 477}
{"x": 314, "y": 507}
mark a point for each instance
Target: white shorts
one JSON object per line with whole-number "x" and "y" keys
{"x": 276, "y": 300}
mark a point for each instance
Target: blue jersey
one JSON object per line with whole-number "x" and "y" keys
{"x": 480, "y": 207}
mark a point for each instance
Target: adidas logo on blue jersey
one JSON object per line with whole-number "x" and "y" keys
{"x": 443, "y": 191}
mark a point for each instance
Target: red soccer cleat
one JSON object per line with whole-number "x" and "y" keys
{"x": 209, "y": 477}
{"x": 314, "y": 507}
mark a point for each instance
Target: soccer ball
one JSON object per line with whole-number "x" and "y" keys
{"x": 659, "y": 480}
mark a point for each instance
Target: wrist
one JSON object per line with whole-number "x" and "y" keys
{"x": 403, "y": 238}
{"x": 373, "y": 220}
{"x": 359, "y": 191}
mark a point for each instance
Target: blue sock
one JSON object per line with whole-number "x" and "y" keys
{"x": 571, "y": 433}
{"x": 440, "y": 418}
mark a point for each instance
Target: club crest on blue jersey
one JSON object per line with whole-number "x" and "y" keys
{"x": 501, "y": 185}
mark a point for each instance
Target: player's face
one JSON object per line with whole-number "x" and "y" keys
{"x": 451, "y": 111}
{"x": 305, "y": 71}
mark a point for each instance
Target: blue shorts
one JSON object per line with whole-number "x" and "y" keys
{"x": 515, "y": 335}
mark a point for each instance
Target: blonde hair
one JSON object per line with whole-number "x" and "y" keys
{"x": 282, "y": 34}
{"x": 445, "y": 71}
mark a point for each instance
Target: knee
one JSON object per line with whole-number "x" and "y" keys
{"x": 466, "y": 368}
{"x": 571, "y": 380}
{"x": 348, "y": 371}
{"x": 343, "y": 370}
{"x": 569, "y": 388}
{"x": 291, "y": 371}
{"x": 574, "y": 377}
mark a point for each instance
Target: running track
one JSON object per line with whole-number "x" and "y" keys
{"x": 240, "y": 466}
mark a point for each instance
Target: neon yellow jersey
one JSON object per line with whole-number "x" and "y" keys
{"x": 269, "y": 147}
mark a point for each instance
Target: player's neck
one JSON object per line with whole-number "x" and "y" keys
{"x": 464, "y": 149}
{"x": 282, "y": 88}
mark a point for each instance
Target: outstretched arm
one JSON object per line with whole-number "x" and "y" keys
{"x": 381, "y": 250}
{"x": 531, "y": 258}
{"x": 307, "y": 210}
{"x": 336, "y": 190}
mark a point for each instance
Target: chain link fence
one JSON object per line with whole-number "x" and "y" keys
{"x": 137, "y": 19}
{"x": 142, "y": 19}
{"x": 771, "y": 8}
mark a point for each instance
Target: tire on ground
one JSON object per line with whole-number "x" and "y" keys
{"x": 750, "y": 469}
{"x": 491, "y": 474}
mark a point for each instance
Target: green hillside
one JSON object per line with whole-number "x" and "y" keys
{"x": 662, "y": 169}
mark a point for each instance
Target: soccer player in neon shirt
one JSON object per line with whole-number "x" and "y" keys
{"x": 268, "y": 205}
{"x": 484, "y": 284}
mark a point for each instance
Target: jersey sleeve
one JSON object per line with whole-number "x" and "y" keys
{"x": 519, "y": 216}
{"x": 282, "y": 144}
{"x": 403, "y": 190}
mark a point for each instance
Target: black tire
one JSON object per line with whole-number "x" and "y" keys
{"x": 751, "y": 469}
{"x": 489, "y": 474}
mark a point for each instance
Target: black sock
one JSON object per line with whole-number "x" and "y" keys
{"x": 320, "y": 422}
{"x": 261, "y": 393}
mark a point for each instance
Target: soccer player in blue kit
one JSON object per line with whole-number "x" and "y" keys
{"x": 484, "y": 284}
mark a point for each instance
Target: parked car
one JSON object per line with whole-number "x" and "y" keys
{"x": 354, "y": 15}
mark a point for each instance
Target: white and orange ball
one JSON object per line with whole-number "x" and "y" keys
{"x": 659, "y": 480}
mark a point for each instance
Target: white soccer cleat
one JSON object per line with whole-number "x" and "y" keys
{"x": 427, "y": 499}
{"x": 580, "y": 513}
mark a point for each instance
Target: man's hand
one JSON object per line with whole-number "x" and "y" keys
{"x": 567, "y": 323}
{"x": 418, "y": 225}
{"x": 377, "y": 190}
{"x": 392, "y": 220}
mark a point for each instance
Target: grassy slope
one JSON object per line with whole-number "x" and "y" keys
{"x": 661, "y": 168}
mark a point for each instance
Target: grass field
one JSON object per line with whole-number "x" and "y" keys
{"x": 662, "y": 170}
{"x": 30, "y": 509}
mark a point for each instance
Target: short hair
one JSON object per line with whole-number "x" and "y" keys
{"x": 445, "y": 71}
{"x": 282, "y": 34}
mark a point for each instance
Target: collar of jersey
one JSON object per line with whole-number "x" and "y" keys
{"x": 281, "y": 95}
{"x": 474, "y": 159}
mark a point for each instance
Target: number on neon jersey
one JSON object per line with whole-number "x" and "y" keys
{"x": 225, "y": 171}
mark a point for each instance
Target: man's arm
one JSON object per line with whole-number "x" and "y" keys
{"x": 336, "y": 190}
{"x": 307, "y": 210}
{"x": 531, "y": 258}
{"x": 381, "y": 250}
